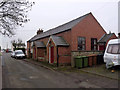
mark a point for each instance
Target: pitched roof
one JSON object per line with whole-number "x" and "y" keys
{"x": 58, "y": 40}
{"x": 61, "y": 28}
{"x": 39, "y": 44}
{"x": 105, "y": 38}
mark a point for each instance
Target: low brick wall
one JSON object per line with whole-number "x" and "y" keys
{"x": 64, "y": 60}
{"x": 82, "y": 53}
{"x": 41, "y": 59}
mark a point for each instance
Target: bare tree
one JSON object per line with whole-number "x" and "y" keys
{"x": 13, "y": 13}
{"x": 19, "y": 40}
{"x": 14, "y": 42}
{"x": 17, "y": 43}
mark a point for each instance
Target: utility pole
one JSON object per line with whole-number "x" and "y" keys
{"x": 7, "y": 45}
{"x": 118, "y": 26}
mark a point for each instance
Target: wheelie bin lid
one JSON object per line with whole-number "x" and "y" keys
{"x": 91, "y": 55}
{"x": 81, "y": 56}
{"x": 100, "y": 54}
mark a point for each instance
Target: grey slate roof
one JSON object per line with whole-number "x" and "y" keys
{"x": 105, "y": 38}
{"x": 39, "y": 44}
{"x": 59, "y": 41}
{"x": 61, "y": 28}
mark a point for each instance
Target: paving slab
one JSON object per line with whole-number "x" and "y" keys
{"x": 102, "y": 71}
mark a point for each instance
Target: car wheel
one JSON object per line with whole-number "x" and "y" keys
{"x": 15, "y": 57}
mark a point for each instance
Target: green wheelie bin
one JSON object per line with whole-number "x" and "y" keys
{"x": 85, "y": 61}
{"x": 81, "y": 61}
{"x": 78, "y": 62}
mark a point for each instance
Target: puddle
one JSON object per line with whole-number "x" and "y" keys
{"x": 33, "y": 77}
{"x": 88, "y": 85}
{"x": 23, "y": 79}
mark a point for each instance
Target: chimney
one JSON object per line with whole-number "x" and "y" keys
{"x": 39, "y": 31}
{"x": 118, "y": 35}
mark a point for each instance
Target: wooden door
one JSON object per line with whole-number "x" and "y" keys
{"x": 35, "y": 52}
{"x": 101, "y": 47}
{"x": 52, "y": 54}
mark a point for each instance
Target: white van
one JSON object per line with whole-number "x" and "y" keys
{"x": 112, "y": 53}
{"x": 19, "y": 54}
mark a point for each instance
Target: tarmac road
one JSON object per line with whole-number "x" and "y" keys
{"x": 0, "y": 72}
{"x": 20, "y": 74}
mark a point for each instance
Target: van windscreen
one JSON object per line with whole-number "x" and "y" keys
{"x": 113, "y": 49}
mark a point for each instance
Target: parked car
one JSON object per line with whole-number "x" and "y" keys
{"x": 3, "y": 50}
{"x": 13, "y": 54}
{"x": 19, "y": 54}
{"x": 112, "y": 53}
{"x": 8, "y": 50}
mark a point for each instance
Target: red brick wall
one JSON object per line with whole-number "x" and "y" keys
{"x": 64, "y": 51}
{"x": 28, "y": 49}
{"x": 41, "y": 53}
{"x": 64, "y": 55}
{"x": 34, "y": 51}
{"x": 88, "y": 28}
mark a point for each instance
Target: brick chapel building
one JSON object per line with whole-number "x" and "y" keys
{"x": 55, "y": 45}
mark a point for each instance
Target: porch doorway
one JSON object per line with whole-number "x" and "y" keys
{"x": 35, "y": 53}
{"x": 51, "y": 54}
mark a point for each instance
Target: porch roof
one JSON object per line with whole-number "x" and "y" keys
{"x": 105, "y": 38}
{"x": 40, "y": 44}
{"x": 58, "y": 40}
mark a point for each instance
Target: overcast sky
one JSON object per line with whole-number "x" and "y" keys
{"x": 47, "y": 14}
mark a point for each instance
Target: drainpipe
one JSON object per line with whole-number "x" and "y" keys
{"x": 104, "y": 47}
{"x": 57, "y": 57}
